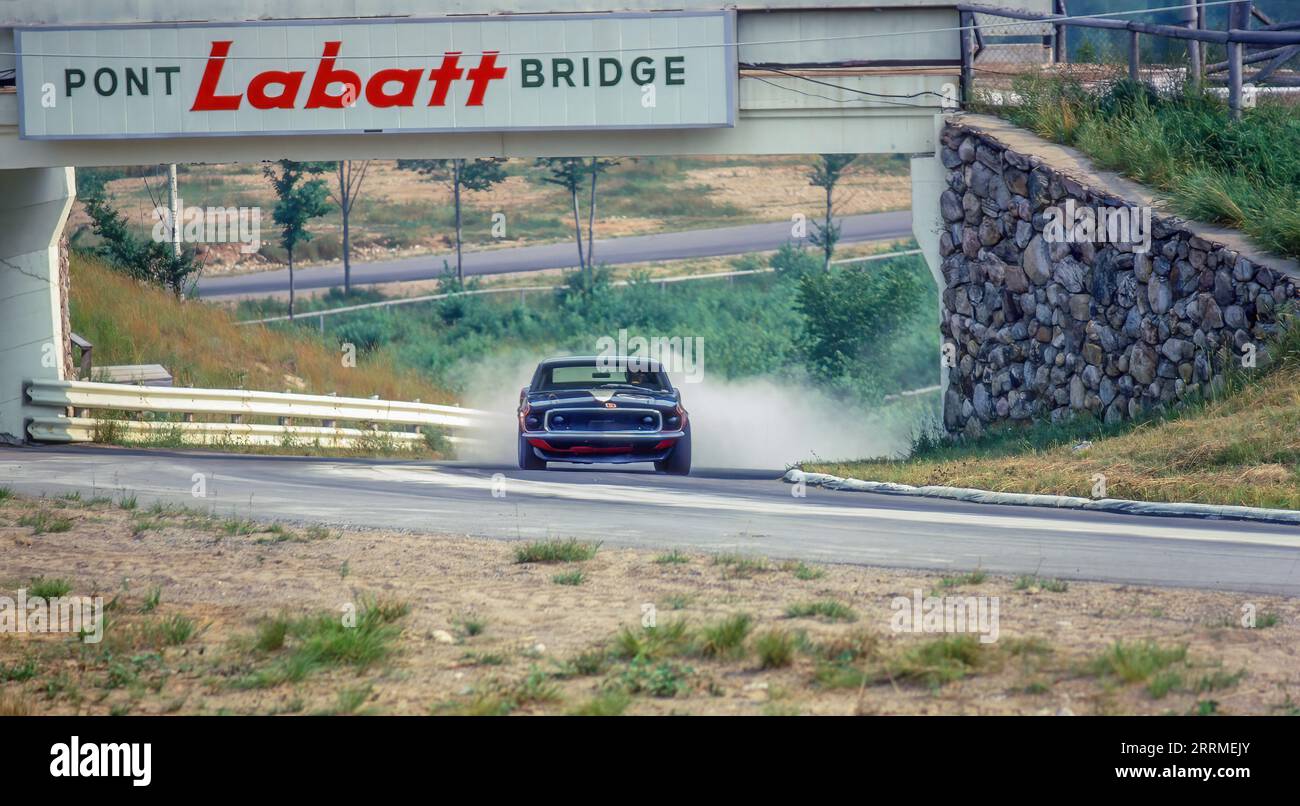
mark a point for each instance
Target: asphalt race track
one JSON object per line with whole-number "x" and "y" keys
{"x": 711, "y": 510}
{"x": 563, "y": 255}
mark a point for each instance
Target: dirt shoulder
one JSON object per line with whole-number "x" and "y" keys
{"x": 211, "y": 615}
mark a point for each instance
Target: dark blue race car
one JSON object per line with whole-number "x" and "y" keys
{"x": 606, "y": 409}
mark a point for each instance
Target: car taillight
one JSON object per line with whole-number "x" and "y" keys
{"x": 677, "y": 421}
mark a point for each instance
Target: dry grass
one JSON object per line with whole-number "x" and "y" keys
{"x": 269, "y": 639}
{"x": 1243, "y": 449}
{"x": 130, "y": 323}
{"x": 398, "y": 214}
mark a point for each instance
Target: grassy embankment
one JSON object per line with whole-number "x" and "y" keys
{"x": 1244, "y": 174}
{"x": 200, "y": 344}
{"x": 1243, "y": 447}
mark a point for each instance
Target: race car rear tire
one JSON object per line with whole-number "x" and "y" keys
{"x": 678, "y": 462}
{"x": 528, "y": 460}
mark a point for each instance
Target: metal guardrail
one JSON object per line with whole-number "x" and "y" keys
{"x": 82, "y": 397}
{"x": 523, "y": 289}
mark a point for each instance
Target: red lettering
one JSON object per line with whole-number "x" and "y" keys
{"x": 378, "y": 98}
{"x": 442, "y": 77}
{"x": 279, "y": 89}
{"x": 207, "y": 99}
{"x": 288, "y": 81}
{"x": 482, "y": 75}
{"x": 319, "y": 98}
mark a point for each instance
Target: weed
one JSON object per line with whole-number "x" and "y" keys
{"x": 571, "y": 550}
{"x": 827, "y": 610}
{"x": 151, "y": 600}
{"x": 18, "y": 673}
{"x": 43, "y": 522}
{"x": 775, "y": 649}
{"x": 575, "y": 577}
{"x": 1136, "y": 662}
{"x": 726, "y": 638}
{"x": 652, "y": 643}
{"x": 673, "y": 557}
{"x": 975, "y": 577}
{"x": 939, "y": 661}
{"x": 607, "y": 703}
{"x": 48, "y": 588}
{"x": 664, "y": 679}
{"x": 1038, "y": 583}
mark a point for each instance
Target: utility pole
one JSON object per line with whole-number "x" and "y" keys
{"x": 175, "y": 208}
{"x": 455, "y": 189}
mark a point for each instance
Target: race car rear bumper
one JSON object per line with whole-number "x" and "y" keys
{"x": 593, "y": 447}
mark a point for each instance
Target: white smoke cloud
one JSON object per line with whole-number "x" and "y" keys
{"x": 770, "y": 424}
{"x": 754, "y": 423}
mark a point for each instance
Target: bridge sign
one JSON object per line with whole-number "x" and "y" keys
{"x": 462, "y": 74}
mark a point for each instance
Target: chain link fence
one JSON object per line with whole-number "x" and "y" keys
{"x": 1003, "y": 50}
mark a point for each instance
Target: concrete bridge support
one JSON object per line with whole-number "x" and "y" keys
{"x": 34, "y": 206}
{"x": 929, "y": 180}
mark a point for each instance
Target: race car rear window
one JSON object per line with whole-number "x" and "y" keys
{"x": 589, "y": 375}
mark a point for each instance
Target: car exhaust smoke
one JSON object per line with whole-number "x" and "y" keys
{"x": 754, "y": 423}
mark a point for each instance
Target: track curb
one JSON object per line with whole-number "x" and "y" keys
{"x": 1117, "y": 505}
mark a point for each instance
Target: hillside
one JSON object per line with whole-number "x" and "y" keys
{"x": 1242, "y": 448}
{"x": 131, "y": 323}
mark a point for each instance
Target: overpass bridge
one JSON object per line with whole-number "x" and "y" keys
{"x": 184, "y": 81}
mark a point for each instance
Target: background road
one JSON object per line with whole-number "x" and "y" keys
{"x": 712, "y": 510}
{"x": 633, "y": 249}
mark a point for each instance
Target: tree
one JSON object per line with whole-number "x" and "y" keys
{"x": 299, "y": 199}
{"x": 349, "y": 187}
{"x": 473, "y": 175}
{"x": 570, "y": 173}
{"x": 826, "y": 173}
{"x": 850, "y": 316}
{"x": 598, "y": 166}
{"x": 142, "y": 258}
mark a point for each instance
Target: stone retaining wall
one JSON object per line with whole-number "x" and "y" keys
{"x": 1039, "y": 328}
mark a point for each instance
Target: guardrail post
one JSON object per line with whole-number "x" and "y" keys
{"x": 1134, "y": 54}
{"x": 329, "y": 423}
{"x": 373, "y": 426}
